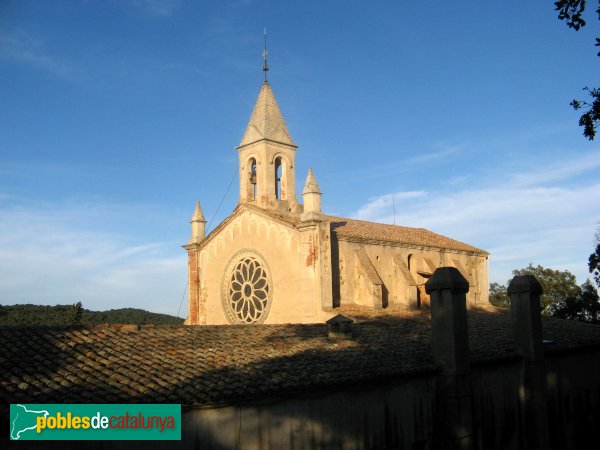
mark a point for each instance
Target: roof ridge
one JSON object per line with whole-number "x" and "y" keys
{"x": 377, "y": 223}
{"x": 377, "y": 231}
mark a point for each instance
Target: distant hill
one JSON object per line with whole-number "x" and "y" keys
{"x": 23, "y": 315}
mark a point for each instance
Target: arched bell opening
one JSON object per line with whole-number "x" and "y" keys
{"x": 252, "y": 179}
{"x": 278, "y": 177}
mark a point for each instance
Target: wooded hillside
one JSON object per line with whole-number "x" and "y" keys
{"x": 23, "y": 315}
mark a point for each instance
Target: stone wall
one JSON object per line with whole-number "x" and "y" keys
{"x": 297, "y": 261}
{"x": 399, "y": 281}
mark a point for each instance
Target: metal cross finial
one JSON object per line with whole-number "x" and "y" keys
{"x": 265, "y": 65}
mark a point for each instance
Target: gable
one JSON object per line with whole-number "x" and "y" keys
{"x": 245, "y": 210}
{"x": 249, "y": 222}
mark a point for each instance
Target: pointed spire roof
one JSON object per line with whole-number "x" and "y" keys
{"x": 311, "y": 186}
{"x": 198, "y": 214}
{"x": 266, "y": 121}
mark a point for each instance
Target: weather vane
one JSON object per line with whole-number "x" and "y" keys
{"x": 265, "y": 65}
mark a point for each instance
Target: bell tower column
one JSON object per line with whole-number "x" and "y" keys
{"x": 267, "y": 156}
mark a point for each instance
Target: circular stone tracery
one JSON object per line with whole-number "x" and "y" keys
{"x": 246, "y": 293}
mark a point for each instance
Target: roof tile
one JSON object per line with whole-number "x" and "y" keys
{"x": 228, "y": 364}
{"x": 363, "y": 230}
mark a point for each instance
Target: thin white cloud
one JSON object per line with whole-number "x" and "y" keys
{"x": 513, "y": 218}
{"x": 385, "y": 203}
{"x": 161, "y": 8}
{"x": 392, "y": 168}
{"x": 421, "y": 158}
{"x": 181, "y": 67}
{"x": 47, "y": 257}
{"x": 558, "y": 171}
{"x": 25, "y": 49}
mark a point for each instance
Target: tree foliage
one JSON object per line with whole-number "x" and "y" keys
{"x": 556, "y": 285}
{"x": 590, "y": 119}
{"x": 572, "y": 12}
{"x": 75, "y": 313}
{"x": 60, "y": 315}
{"x": 584, "y": 307}
{"x": 594, "y": 264}
{"x": 498, "y": 295}
{"x": 594, "y": 260}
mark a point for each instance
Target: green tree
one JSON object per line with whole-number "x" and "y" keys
{"x": 557, "y": 285}
{"x": 594, "y": 261}
{"x": 594, "y": 264}
{"x": 498, "y": 295}
{"x": 584, "y": 307}
{"x": 572, "y": 12}
{"x": 75, "y": 313}
{"x": 59, "y": 315}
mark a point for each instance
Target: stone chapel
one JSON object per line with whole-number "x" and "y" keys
{"x": 276, "y": 259}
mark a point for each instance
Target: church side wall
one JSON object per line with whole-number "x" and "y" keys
{"x": 289, "y": 257}
{"x": 397, "y": 289}
{"x": 316, "y": 268}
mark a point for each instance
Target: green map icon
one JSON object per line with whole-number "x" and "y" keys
{"x": 24, "y": 420}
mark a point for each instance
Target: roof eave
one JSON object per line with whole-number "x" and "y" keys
{"x": 267, "y": 140}
{"x": 373, "y": 241}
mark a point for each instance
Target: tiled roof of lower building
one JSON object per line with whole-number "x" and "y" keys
{"x": 418, "y": 237}
{"x": 210, "y": 365}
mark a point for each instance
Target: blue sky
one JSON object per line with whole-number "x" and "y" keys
{"x": 116, "y": 116}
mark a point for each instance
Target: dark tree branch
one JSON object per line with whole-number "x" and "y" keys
{"x": 590, "y": 119}
{"x": 571, "y": 11}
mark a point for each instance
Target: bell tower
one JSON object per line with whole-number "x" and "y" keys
{"x": 267, "y": 157}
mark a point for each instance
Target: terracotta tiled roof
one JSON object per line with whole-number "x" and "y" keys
{"x": 208, "y": 365}
{"x": 291, "y": 219}
{"x": 363, "y": 230}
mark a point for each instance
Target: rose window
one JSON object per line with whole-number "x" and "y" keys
{"x": 246, "y": 296}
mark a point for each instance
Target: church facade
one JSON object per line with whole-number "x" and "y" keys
{"x": 275, "y": 259}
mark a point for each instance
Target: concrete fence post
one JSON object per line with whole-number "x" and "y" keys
{"x": 447, "y": 289}
{"x": 526, "y": 317}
